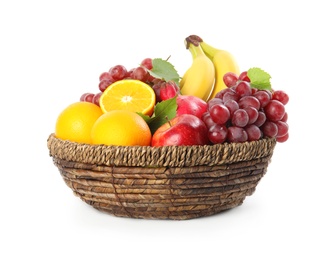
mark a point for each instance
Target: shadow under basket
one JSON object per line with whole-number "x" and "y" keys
{"x": 172, "y": 182}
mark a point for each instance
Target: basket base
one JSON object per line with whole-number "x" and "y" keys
{"x": 168, "y": 214}
{"x": 174, "y": 182}
{"x": 177, "y": 197}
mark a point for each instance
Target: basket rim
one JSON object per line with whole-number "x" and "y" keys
{"x": 165, "y": 156}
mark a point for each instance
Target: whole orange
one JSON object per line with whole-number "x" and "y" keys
{"x": 75, "y": 122}
{"x": 121, "y": 127}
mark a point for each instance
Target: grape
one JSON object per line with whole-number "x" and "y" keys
{"x": 243, "y": 88}
{"x": 104, "y": 84}
{"x": 280, "y": 96}
{"x": 269, "y": 129}
{"x": 157, "y": 80}
{"x": 254, "y": 90}
{"x": 263, "y": 97}
{"x": 230, "y": 79}
{"x": 140, "y": 73}
{"x": 232, "y": 105}
{"x": 220, "y": 114}
{"x": 217, "y": 133}
{"x": 206, "y": 117}
{"x": 105, "y": 75}
{"x": 129, "y": 73}
{"x": 87, "y": 97}
{"x": 282, "y": 128}
{"x": 252, "y": 114}
{"x": 283, "y": 138}
{"x": 82, "y": 97}
{"x": 240, "y": 118}
{"x": 253, "y": 132}
{"x": 243, "y": 77}
{"x": 249, "y": 101}
{"x": 230, "y": 95}
{"x": 236, "y": 134}
{"x": 96, "y": 98}
{"x": 261, "y": 118}
{"x": 147, "y": 63}
{"x": 150, "y": 79}
{"x": 118, "y": 72}
{"x": 214, "y": 101}
{"x": 269, "y": 93}
{"x": 274, "y": 110}
{"x": 284, "y": 118}
{"x": 221, "y": 93}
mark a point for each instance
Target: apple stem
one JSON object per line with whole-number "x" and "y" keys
{"x": 167, "y": 119}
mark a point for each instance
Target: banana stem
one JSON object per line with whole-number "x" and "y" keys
{"x": 192, "y": 43}
{"x": 193, "y": 39}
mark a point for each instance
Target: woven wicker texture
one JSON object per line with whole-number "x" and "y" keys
{"x": 162, "y": 183}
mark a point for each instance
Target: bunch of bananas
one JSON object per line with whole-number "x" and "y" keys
{"x": 204, "y": 78}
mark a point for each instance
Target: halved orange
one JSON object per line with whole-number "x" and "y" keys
{"x": 128, "y": 94}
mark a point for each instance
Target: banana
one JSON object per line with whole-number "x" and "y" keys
{"x": 223, "y": 62}
{"x": 199, "y": 78}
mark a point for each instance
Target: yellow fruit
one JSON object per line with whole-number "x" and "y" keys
{"x": 128, "y": 94}
{"x": 223, "y": 62}
{"x": 121, "y": 127}
{"x": 199, "y": 79}
{"x": 75, "y": 122}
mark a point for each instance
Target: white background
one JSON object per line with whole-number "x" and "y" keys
{"x": 53, "y": 51}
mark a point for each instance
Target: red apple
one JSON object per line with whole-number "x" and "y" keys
{"x": 165, "y": 90}
{"x": 169, "y": 90}
{"x": 191, "y": 105}
{"x": 183, "y": 129}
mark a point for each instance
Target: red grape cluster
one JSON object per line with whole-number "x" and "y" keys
{"x": 240, "y": 113}
{"x": 119, "y": 72}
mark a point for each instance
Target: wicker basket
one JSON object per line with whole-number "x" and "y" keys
{"x": 162, "y": 183}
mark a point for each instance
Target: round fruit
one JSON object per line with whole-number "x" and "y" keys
{"x": 147, "y": 63}
{"x": 88, "y": 97}
{"x": 75, "y": 122}
{"x": 121, "y": 127}
{"x": 274, "y": 110}
{"x": 128, "y": 94}
{"x": 117, "y": 72}
{"x": 140, "y": 73}
{"x": 230, "y": 79}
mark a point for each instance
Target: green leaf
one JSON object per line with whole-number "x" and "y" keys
{"x": 259, "y": 78}
{"x": 164, "y": 70}
{"x": 163, "y": 111}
